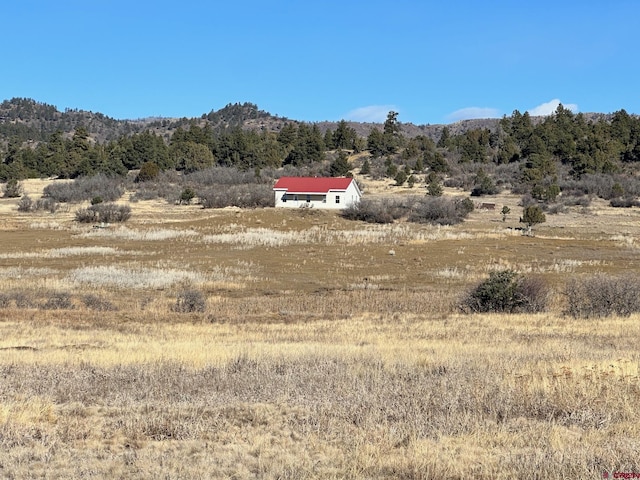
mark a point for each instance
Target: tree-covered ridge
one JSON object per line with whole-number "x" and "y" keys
{"x": 540, "y": 157}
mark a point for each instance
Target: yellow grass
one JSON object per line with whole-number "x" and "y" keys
{"x": 319, "y": 355}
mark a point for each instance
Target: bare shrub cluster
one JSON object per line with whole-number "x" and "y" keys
{"x": 432, "y": 210}
{"x": 221, "y": 176}
{"x": 507, "y": 292}
{"x": 19, "y": 298}
{"x": 624, "y": 202}
{"x": 104, "y": 213}
{"x": 27, "y": 204}
{"x": 12, "y": 189}
{"x": 190, "y": 300}
{"x": 602, "y": 186}
{"x": 85, "y": 188}
{"x": 384, "y": 210}
{"x": 243, "y": 196}
{"x": 97, "y": 303}
{"x": 602, "y": 296}
{"x": 58, "y": 301}
{"x": 440, "y": 210}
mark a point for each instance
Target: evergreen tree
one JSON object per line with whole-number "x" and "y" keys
{"x": 366, "y": 167}
{"x": 375, "y": 143}
{"x": 340, "y": 166}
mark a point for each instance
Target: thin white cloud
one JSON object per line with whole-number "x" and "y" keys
{"x": 473, "y": 112}
{"x": 372, "y": 113}
{"x": 550, "y": 107}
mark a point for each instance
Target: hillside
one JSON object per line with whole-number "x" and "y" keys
{"x": 31, "y": 121}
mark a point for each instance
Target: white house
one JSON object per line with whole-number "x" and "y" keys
{"x": 317, "y": 192}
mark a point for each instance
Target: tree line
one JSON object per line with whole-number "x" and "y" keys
{"x": 538, "y": 153}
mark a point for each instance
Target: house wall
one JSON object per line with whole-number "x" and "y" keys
{"x": 288, "y": 200}
{"x": 346, "y": 198}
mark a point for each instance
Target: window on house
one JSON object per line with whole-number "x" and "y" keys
{"x": 295, "y": 198}
{"x": 337, "y": 198}
{"x": 308, "y": 198}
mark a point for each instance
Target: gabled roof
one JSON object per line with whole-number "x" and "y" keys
{"x": 312, "y": 184}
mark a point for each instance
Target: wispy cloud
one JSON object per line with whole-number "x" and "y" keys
{"x": 473, "y": 112}
{"x": 372, "y": 113}
{"x": 550, "y": 108}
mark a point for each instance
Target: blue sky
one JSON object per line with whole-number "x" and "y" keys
{"x": 432, "y": 62}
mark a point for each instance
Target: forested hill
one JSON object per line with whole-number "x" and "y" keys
{"x": 26, "y": 120}
{"x": 539, "y": 156}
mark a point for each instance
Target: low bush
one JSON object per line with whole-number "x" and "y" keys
{"x": 97, "y": 303}
{"x": 5, "y": 300}
{"x": 12, "y": 189}
{"x": 624, "y": 202}
{"x": 26, "y": 204}
{"x": 190, "y": 300}
{"x": 104, "y": 213}
{"x": 243, "y": 196}
{"x": 602, "y": 296}
{"x": 440, "y": 210}
{"x": 507, "y": 292}
{"x": 149, "y": 171}
{"x": 58, "y": 301}
{"x": 376, "y": 211}
{"x": 83, "y": 189}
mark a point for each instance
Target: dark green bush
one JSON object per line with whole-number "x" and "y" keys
{"x": 148, "y": 171}
{"x": 187, "y": 195}
{"x": 507, "y": 292}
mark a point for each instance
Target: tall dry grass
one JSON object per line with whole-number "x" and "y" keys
{"x": 319, "y": 354}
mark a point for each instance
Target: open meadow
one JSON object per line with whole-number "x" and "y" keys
{"x": 317, "y": 347}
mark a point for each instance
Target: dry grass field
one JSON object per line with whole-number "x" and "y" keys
{"x": 327, "y": 348}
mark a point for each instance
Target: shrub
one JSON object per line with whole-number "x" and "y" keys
{"x": 483, "y": 185}
{"x": 435, "y": 210}
{"x": 104, "y": 213}
{"x": 23, "y": 300}
{"x": 376, "y": 211}
{"x": 464, "y": 207}
{"x": 25, "y": 204}
{"x": 624, "y": 202}
{"x": 97, "y": 303}
{"x": 148, "y": 171}
{"x": 190, "y": 300}
{"x": 187, "y": 195}
{"x": 83, "y": 189}
{"x": 5, "y": 300}
{"x": 58, "y": 301}
{"x": 243, "y": 196}
{"x": 12, "y": 189}
{"x": 532, "y": 215}
{"x": 602, "y": 295}
{"x": 507, "y": 292}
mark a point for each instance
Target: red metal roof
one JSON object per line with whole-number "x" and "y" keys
{"x": 312, "y": 184}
